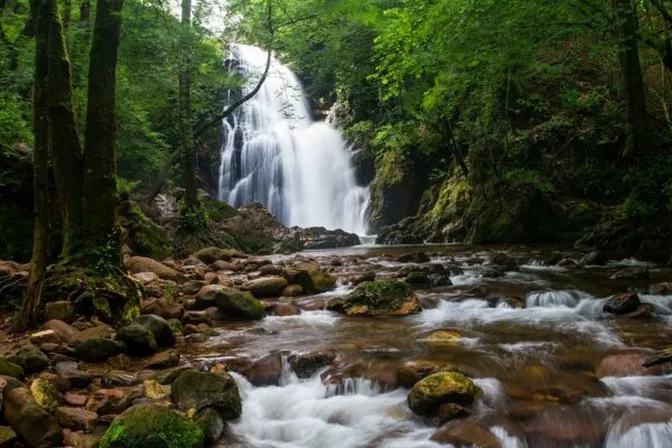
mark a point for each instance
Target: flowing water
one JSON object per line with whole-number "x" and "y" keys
{"x": 538, "y": 366}
{"x": 274, "y": 153}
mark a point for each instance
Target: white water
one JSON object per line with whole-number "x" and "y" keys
{"x": 275, "y": 154}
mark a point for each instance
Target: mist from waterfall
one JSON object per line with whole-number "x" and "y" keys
{"x": 275, "y": 154}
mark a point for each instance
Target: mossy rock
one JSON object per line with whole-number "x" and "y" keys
{"x": 211, "y": 254}
{"x": 440, "y": 388}
{"x": 378, "y": 298}
{"x": 144, "y": 236}
{"x": 151, "y": 426}
{"x": 10, "y": 369}
{"x": 98, "y": 349}
{"x": 235, "y": 303}
{"x": 46, "y": 394}
{"x": 31, "y": 358}
{"x": 198, "y": 390}
{"x": 139, "y": 339}
{"x": 311, "y": 278}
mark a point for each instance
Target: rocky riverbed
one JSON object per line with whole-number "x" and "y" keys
{"x": 362, "y": 347}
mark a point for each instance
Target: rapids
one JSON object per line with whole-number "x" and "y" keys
{"x": 538, "y": 366}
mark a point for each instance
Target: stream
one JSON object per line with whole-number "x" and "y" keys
{"x": 540, "y": 367}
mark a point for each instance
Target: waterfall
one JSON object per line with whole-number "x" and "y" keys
{"x": 275, "y": 154}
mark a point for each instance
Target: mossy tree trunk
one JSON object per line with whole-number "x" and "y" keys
{"x": 186, "y": 126}
{"x": 100, "y": 200}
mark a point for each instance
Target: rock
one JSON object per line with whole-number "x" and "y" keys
{"x": 146, "y": 277}
{"x": 625, "y": 364}
{"x": 35, "y": 426}
{"x": 321, "y": 238}
{"x": 444, "y": 387}
{"x": 312, "y": 279}
{"x": 98, "y": 332}
{"x": 238, "y": 304}
{"x": 30, "y": 358}
{"x": 643, "y": 311}
{"x": 594, "y": 258}
{"x": 389, "y": 298}
{"x": 163, "y": 360}
{"x": 503, "y": 261}
{"x": 272, "y": 270}
{"x": 75, "y": 439}
{"x": 266, "y": 286}
{"x": 110, "y": 401}
{"x": 201, "y": 390}
{"x": 98, "y": 350}
{"x": 440, "y": 337}
{"x": 465, "y": 433}
{"x": 75, "y": 399}
{"x": 365, "y": 277}
{"x": 77, "y": 378}
{"x": 168, "y": 376}
{"x": 292, "y": 291}
{"x": 163, "y": 334}
{"x": 8, "y": 368}
{"x": 7, "y": 437}
{"x": 119, "y": 378}
{"x": 417, "y": 279}
{"x": 308, "y": 364}
{"x": 59, "y": 349}
{"x": 152, "y": 426}
{"x": 414, "y": 257}
{"x": 567, "y": 263}
{"x": 198, "y": 317}
{"x": 138, "y": 339}
{"x": 413, "y": 371}
{"x": 439, "y": 280}
{"x": 143, "y": 264}
{"x": 212, "y": 425}
{"x": 192, "y": 287}
{"x": 211, "y": 254}
{"x": 46, "y": 394}
{"x": 62, "y": 310}
{"x": 451, "y": 411}
{"x": 154, "y": 390}
{"x": 661, "y": 357}
{"x": 632, "y": 273}
{"x": 623, "y": 303}
{"x": 661, "y": 289}
{"x": 168, "y": 309}
{"x": 206, "y": 296}
{"x": 78, "y": 419}
{"x": 285, "y": 309}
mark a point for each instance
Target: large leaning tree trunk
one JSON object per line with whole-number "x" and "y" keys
{"x": 186, "y": 126}
{"x": 633, "y": 80}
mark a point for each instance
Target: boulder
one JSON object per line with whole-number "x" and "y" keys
{"x": 152, "y": 426}
{"x": 212, "y": 425}
{"x": 266, "y": 286}
{"x": 595, "y": 258}
{"x": 505, "y": 262}
{"x": 465, "y": 433}
{"x": 35, "y": 426}
{"x": 316, "y": 281}
{"x": 285, "y": 309}
{"x": 623, "y": 303}
{"x": 292, "y": 291}
{"x": 146, "y": 277}
{"x": 77, "y": 378}
{"x": 168, "y": 376}
{"x": 211, "y": 254}
{"x": 78, "y": 419}
{"x": 143, "y": 264}
{"x": 168, "y": 309}
{"x": 239, "y": 304}
{"x": 265, "y": 371}
{"x": 62, "y": 310}
{"x": 8, "y": 368}
{"x": 99, "y": 332}
{"x": 163, "y": 333}
{"x": 661, "y": 289}
{"x": 451, "y": 411}
{"x": 76, "y": 439}
{"x": 205, "y": 298}
{"x": 31, "y": 358}
{"x": 308, "y": 364}
{"x": 201, "y": 390}
{"x": 154, "y": 390}
{"x": 138, "y": 339}
{"x": 98, "y": 350}
{"x": 386, "y": 298}
{"x": 272, "y": 270}
{"x": 163, "y": 360}
{"x": 632, "y": 273}
{"x": 440, "y": 388}
{"x": 199, "y": 317}
{"x": 46, "y": 394}
{"x": 192, "y": 287}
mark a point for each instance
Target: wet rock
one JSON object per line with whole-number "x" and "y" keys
{"x": 389, "y": 298}
{"x": 440, "y": 388}
{"x": 7, "y": 437}
{"x": 503, "y": 261}
{"x": 46, "y": 394}
{"x": 417, "y": 279}
{"x": 285, "y": 309}
{"x": 62, "y": 310}
{"x": 439, "y": 281}
{"x": 624, "y": 303}
{"x": 145, "y": 425}
{"x": 308, "y": 364}
{"x": 45, "y": 337}
{"x": 632, "y": 273}
{"x": 75, "y": 399}
{"x": 35, "y": 426}
{"x": 413, "y": 371}
{"x": 643, "y": 311}
{"x": 168, "y": 309}
{"x": 65, "y": 332}
{"x": 292, "y": 291}
{"x": 143, "y": 264}
{"x": 138, "y": 339}
{"x": 8, "y": 368}
{"x": 625, "y": 364}
{"x": 465, "y": 433}
{"x": 265, "y": 371}
{"x": 272, "y": 270}
{"x": 595, "y": 258}
{"x": 75, "y": 439}
{"x": 238, "y": 304}
{"x": 196, "y": 338}
{"x": 661, "y": 289}
{"x": 451, "y": 411}
{"x": 266, "y": 286}
{"x": 119, "y": 378}
{"x": 58, "y": 349}
{"x": 163, "y": 333}
{"x": 365, "y": 277}
{"x": 312, "y": 279}
{"x": 567, "y": 263}
{"x": 492, "y": 272}
{"x": 212, "y": 425}
{"x": 154, "y": 390}
{"x": 199, "y": 390}
{"x": 444, "y": 337}
{"x": 414, "y": 257}
{"x": 661, "y": 357}
{"x": 321, "y": 238}
{"x": 168, "y": 376}
{"x": 192, "y": 287}
{"x": 163, "y": 360}
{"x": 77, "y": 378}
{"x": 98, "y": 350}
{"x": 98, "y": 332}
{"x": 31, "y": 358}
{"x": 109, "y": 401}
{"x": 199, "y": 317}
{"x": 78, "y": 419}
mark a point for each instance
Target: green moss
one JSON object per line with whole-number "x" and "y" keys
{"x": 46, "y": 394}
{"x": 378, "y": 298}
{"x": 150, "y": 426}
{"x": 217, "y": 211}
{"x": 440, "y": 388}
{"x": 145, "y": 237}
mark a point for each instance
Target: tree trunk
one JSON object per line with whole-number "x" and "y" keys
{"x": 66, "y": 150}
{"x": 100, "y": 198}
{"x": 38, "y": 265}
{"x": 186, "y": 126}
{"x": 633, "y": 80}
{"x": 67, "y": 13}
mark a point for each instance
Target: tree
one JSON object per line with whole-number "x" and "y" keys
{"x": 186, "y": 126}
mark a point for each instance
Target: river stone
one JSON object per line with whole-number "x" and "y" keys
{"x": 76, "y": 439}
{"x": 77, "y": 378}
{"x": 211, "y": 254}
{"x": 450, "y": 411}
{"x": 154, "y": 390}
{"x": 64, "y": 331}
{"x": 266, "y": 286}
{"x": 308, "y": 364}
{"x": 200, "y": 390}
{"x": 163, "y": 333}
{"x": 595, "y": 258}
{"x": 413, "y": 257}
{"x": 317, "y": 280}
{"x": 36, "y": 427}
{"x": 265, "y": 371}
{"x": 168, "y": 309}
{"x": 73, "y": 418}
{"x": 31, "y": 358}
{"x": 441, "y": 337}
{"x": 380, "y": 298}
{"x": 7, "y": 437}
{"x": 440, "y": 388}
{"x": 46, "y": 394}
{"x": 98, "y": 350}
{"x": 661, "y": 357}
{"x": 119, "y": 378}
{"x": 192, "y": 287}
{"x": 163, "y": 360}
{"x": 465, "y": 433}
{"x": 143, "y": 264}
{"x": 212, "y": 425}
{"x": 238, "y": 303}
{"x": 152, "y": 426}
{"x": 10, "y": 369}
{"x": 139, "y": 340}
{"x": 98, "y": 332}
{"x": 624, "y": 303}
{"x": 168, "y": 376}
{"x": 285, "y": 309}
{"x": 199, "y": 317}
{"x": 292, "y": 291}
{"x": 661, "y": 289}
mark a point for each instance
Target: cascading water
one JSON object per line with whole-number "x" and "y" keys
{"x": 275, "y": 154}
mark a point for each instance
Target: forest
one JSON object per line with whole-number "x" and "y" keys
{"x": 212, "y": 206}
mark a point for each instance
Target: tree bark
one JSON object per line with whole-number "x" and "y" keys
{"x": 633, "y": 80}
{"x": 186, "y": 126}
{"x": 100, "y": 198}
{"x": 64, "y": 144}
{"x": 67, "y": 13}
{"x": 38, "y": 264}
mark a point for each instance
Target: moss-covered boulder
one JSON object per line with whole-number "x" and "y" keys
{"x": 151, "y": 426}
{"x": 232, "y": 302}
{"x": 35, "y": 426}
{"x": 381, "y": 298}
{"x": 46, "y": 394}
{"x": 211, "y": 254}
{"x": 212, "y": 425}
{"x": 98, "y": 349}
{"x": 139, "y": 340}
{"x": 31, "y": 358}
{"x": 10, "y": 369}
{"x": 198, "y": 390}
{"x": 440, "y": 388}
{"x": 312, "y": 279}
{"x": 163, "y": 333}
{"x": 266, "y": 286}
